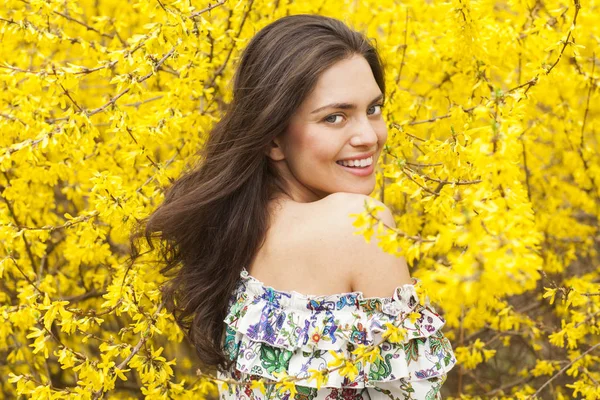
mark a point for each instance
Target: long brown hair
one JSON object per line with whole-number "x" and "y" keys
{"x": 214, "y": 218}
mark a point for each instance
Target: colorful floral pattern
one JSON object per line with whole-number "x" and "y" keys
{"x": 270, "y": 331}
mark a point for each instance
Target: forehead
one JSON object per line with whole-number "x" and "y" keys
{"x": 350, "y": 80}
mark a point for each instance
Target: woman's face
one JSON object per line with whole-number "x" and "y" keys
{"x": 341, "y": 120}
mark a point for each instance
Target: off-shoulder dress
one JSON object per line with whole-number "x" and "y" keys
{"x": 269, "y": 331}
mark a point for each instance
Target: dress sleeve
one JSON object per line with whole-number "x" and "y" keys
{"x": 268, "y": 335}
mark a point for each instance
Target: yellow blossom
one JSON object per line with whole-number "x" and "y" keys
{"x": 320, "y": 377}
{"x": 258, "y": 384}
{"x": 490, "y": 170}
{"x": 368, "y": 353}
{"x": 394, "y": 334}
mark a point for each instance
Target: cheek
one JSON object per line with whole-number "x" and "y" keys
{"x": 311, "y": 145}
{"x": 297, "y": 144}
{"x": 318, "y": 152}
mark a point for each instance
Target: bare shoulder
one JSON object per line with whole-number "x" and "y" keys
{"x": 341, "y": 203}
{"x": 373, "y": 271}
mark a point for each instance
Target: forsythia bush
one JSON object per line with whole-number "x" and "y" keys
{"x": 492, "y": 168}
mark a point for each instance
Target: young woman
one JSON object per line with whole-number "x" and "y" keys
{"x": 270, "y": 278}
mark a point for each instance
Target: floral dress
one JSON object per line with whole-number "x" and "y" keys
{"x": 271, "y": 332}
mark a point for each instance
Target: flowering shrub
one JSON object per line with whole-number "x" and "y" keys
{"x": 492, "y": 169}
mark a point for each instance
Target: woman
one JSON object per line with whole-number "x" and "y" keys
{"x": 265, "y": 219}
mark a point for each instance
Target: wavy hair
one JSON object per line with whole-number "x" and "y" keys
{"x": 214, "y": 217}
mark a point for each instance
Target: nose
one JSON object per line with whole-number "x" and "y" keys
{"x": 365, "y": 134}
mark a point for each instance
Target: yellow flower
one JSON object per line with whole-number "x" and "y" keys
{"x": 338, "y": 359}
{"x": 286, "y": 386}
{"x": 224, "y": 386}
{"x": 258, "y": 384}
{"x": 414, "y": 316}
{"x": 550, "y": 293}
{"x": 318, "y": 376}
{"x": 371, "y": 354}
{"x": 350, "y": 370}
{"x": 394, "y": 334}
{"x": 421, "y": 293}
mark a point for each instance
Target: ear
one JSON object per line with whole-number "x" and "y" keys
{"x": 275, "y": 151}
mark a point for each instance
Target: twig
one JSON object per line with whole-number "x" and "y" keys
{"x": 418, "y": 184}
{"x": 89, "y": 28}
{"x": 142, "y": 79}
{"x": 10, "y": 117}
{"x": 533, "y": 81}
{"x": 222, "y": 67}
{"x": 404, "y": 47}
{"x": 594, "y": 347}
{"x": 24, "y": 275}
{"x": 144, "y": 337}
{"x": 52, "y": 228}
{"x": 70, "y": 98}
{"x": 577, "y": 8}
{"x": 445, "y": 182}
{"x": 433, "y": 119}
{"x": 509, "y": 385}
{"x": 195, "y": 14}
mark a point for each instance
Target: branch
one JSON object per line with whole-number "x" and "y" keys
{"x": 418, "y": 184}
{"x": 404, "y": 46}
{"x": 89, "y": 28}
{"x": 10, "y": 117}
{"x": 222, "y": 67}
{"x": 52, "y": 228}
{"x": 70, "y": 98}
{"x": 563, "y": 370}
{"x": 577, "y": 8}
{"x": 433, "y": 119}
{"x": 144, "y": 337}
{"x": 445, "y": 182}
{"x": 533, "y": 81}
{"x": 195, "y": 14}
{"x": 27, "y": 245}
{"x": 142, "y": 79}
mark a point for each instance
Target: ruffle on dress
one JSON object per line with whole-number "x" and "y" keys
{"x": 270, "y": 331}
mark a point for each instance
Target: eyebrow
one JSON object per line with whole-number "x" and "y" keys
{"x": 344, "y": 106}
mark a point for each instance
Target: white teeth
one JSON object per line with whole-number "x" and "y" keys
{"x": 357, "y": 163}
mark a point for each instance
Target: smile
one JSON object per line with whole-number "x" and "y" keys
{"x": 360, "y": 167}
{"x": 361, "y": 163}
